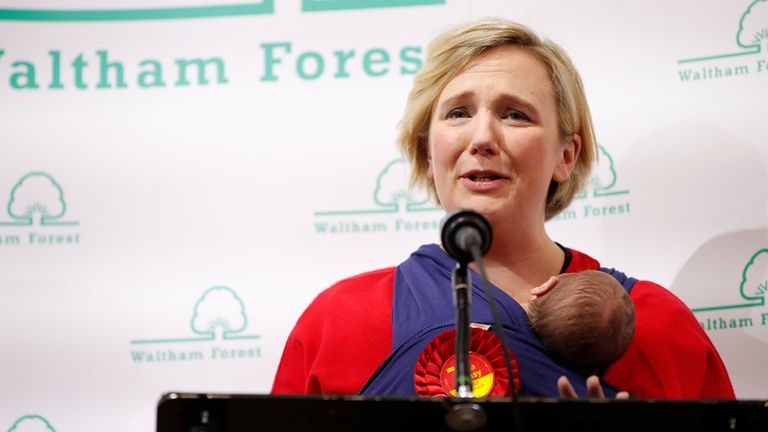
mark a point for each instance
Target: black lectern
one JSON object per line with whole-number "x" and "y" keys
{"x": 186, "y": 412}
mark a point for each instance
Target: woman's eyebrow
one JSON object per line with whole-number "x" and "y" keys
{"x": 506, "y": 98}
{"x": 467, "y": 94}
{"x": 517, "y": 100}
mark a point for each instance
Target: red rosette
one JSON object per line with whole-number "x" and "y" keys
{"x": 434, "y": 374}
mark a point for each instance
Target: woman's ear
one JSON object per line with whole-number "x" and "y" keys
{"x": 423, "y": 145}
{"x": 569, "y": 155}
{"x": 430, "y": 174}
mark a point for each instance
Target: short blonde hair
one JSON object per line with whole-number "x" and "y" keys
{"x": 450, "y": 53}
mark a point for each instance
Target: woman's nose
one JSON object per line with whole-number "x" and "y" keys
{"x": 485, "y": 136}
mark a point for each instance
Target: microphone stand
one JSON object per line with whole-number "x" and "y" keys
{"x": 462, "y": 290}
{"x": 464, "y": 416}
{"x": 466, "y": 236}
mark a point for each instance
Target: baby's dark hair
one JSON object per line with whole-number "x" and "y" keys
{"x": 587, "y": 319}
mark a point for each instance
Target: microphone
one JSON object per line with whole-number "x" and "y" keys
{"x": 466, "y": 236}
{"x": 463, "y": 231}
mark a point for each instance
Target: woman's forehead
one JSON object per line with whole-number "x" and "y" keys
{"x": 506, "y": 68}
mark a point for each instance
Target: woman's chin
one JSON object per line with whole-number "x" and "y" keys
{"x": 490, "y": 209}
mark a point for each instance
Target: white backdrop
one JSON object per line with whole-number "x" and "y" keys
{"x": 179, "y": 179}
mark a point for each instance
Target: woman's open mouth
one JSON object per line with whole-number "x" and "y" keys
{"x": 483, "y": 177}
{"x": 483, "y": 180}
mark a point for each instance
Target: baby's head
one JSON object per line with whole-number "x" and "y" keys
{"x": 587, "y": 319}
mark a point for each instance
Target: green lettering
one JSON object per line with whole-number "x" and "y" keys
{"x": 55, "y": 70}
{"x": 413, "y": 61}
{"x": 375, "y": 56}
{"x": 319, "y": 65}
{"x": 79, "y": 64}
{"x": 152, "y": 76}
{"x": 104, "y": 67}
{"x": 270, "y": 60}
{"x": 567, "y": 214}
{"x": 685, "y": 75}
{"x": 342, "y": 57}
{"x": 201, "y": 68}
{"x": 25, "y": 78}
{"x": 10, "y": 239}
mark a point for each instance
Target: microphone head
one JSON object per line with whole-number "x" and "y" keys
{"x": 460, "y": 227}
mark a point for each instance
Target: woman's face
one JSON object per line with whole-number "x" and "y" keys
{"x": 494, "y": 142}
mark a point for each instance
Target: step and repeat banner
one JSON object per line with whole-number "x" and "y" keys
{"x": 180, "y": 178}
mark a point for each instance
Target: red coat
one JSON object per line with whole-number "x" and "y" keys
{"x": 346, "y": 333}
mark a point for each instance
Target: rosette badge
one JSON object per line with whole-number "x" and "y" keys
{"x": 435, "y": 371}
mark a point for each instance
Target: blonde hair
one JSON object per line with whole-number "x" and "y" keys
{"x": 587, "y": 319}
{"x": 450, "y": 53}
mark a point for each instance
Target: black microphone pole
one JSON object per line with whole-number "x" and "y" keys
{"x": 466, "y": 236}
{"x": 464, "y": 233}
{"x": 461, "y": 232}
{"x": 462, "y": 292}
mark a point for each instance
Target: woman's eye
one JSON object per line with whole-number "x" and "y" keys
{"x": 457, "y": 113}
{"x": 513, "y": 114}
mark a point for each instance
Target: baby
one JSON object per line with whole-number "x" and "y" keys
{"x": 585, "y": 318}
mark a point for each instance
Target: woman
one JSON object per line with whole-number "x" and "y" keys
{"x": 498, "y": 122}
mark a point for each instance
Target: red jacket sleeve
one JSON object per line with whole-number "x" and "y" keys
{"x": 670, "y": 356}
{"x": 340, "y": 340}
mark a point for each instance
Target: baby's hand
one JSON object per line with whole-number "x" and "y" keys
{"x": 594, "y": 389}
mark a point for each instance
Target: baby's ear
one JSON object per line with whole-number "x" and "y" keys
{"x": 545, "y": 287}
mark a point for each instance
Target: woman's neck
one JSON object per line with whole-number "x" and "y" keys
{"x": 520, "y": 261}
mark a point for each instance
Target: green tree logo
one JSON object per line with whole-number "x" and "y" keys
{"x": 392, "y": 194}
{"x": 393, "y": 191}
{"x": 754, "y": 278}
{"x": 37, "y": 199}
{"x": 753, "y": 27}
{"x": 753, "y": 286}
{"x": 752, "y": 34}
{"x": 32, "y": 423}
{"x": 219, "y": 313}
{"x": 603, "y": 177}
